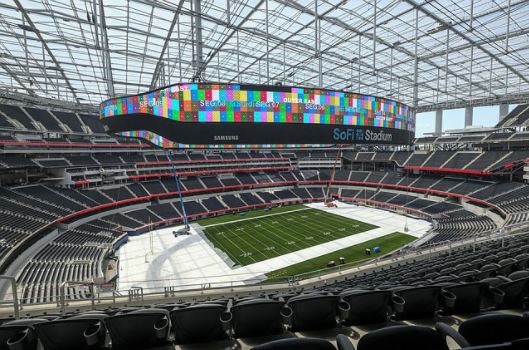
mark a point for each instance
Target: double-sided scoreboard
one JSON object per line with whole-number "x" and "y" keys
{"x": 207, "y": 115}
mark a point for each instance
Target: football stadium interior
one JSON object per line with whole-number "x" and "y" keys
{"x": 264, "y": 174}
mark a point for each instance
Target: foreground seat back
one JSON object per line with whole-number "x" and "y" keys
{"x": 312, "y": 311}
{"x": 257, "y": 317}
{"x": 469, "y": 297}
{"x": 515, "y": 293}
{"x": 296, "y": 344}
{"x": 402, "y": 338}
{"x": 367, "y": 306}
{"x": 138, "y": 329}
{"x": 419, "y": 302}
{"x": 198, "y": 323}
{"x": 72, "y": 333}
{"x": 494, "y": 329}
{"x": 19, "y": 334}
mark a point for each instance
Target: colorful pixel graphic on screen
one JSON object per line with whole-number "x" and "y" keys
{"x": 234, "y": 103}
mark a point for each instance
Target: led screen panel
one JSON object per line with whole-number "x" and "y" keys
{"x": 234, "y": 115}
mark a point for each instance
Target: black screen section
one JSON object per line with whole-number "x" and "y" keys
{"x": 256, "y": 133}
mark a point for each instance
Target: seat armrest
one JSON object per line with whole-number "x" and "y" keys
{"x": 344, "y": 343}
{"x": 447, "y": 331}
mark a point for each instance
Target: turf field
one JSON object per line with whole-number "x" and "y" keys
{"x": 352, "y": 255}
{"x": 261, "y": 235}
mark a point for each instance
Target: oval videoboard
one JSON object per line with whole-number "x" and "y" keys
{"x": 211, "y": 115}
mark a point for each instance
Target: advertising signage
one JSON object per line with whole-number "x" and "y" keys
{"x": 233, "y": 115}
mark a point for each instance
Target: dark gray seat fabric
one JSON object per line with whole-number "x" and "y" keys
{"x": 138, "y": 329}
{"x": 296, "y": 344}
{"x": 516, "y": 293}
{"x": 257, "y": 317}
{"x": 78, "y": 332}
{"x": 402, "y": 338}
{"x": 312, "y": 311}
{"x": 494, "y": 329}
{"x": 198, "y": 323}
{"x": 367, "y": 306}
{"x": 21, "y": 333}
{"x": 469, "y": 297}
{"x": 419, "y": 302}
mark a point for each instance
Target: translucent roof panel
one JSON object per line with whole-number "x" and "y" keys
{"x": 430, "y": 54}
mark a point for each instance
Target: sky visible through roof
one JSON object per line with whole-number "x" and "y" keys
{"x": 85, "y": 51}
{"x": 486, "y": 116}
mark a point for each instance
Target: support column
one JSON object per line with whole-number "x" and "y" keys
{"x": 200, "y": 69}
{"x": 438, "y": 122}
{"x": 504, "y": 110}
{"x": 469, "y": 116}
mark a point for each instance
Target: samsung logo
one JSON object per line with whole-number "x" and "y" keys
{"x": 226, "y": 137}
{"x": 352, "y": 134}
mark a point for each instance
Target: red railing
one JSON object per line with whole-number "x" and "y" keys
{"x": 449, "y": 170}
{"x": 207, "y": 161}
{"x": 209, "y": 172}
{"x": 130, "y": 201}
{"x": 53, "y": 144}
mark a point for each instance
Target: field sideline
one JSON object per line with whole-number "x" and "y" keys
{"x": 262, "y": 235}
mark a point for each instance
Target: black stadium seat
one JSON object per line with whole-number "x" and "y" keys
{"x": 494, "y": 329}
{"x": 19, "y": 334}
{"x": 139, "y": 329}
{"x": 257, "y": 317}
{"x": 311, "y": 311}
{"x": 418, "y": 338}
{"x": 367, "y": 306}
{"x": 78, "y": 332}
{"x": 469, "y": 297}
{"x": 516, "y": 293}
{"x": 420, "y": 302}
{"x": 296, "y": 344}
{"x": 198, "y": 323}
{"x": 403, "y": 338}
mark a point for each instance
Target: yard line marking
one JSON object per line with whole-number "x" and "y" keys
{"x": 257, "y": 217}
{"x": 262, "y": 237}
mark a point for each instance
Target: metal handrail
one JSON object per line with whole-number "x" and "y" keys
{"x": 13, "y": 282}
{"x": 62, "y": 293}
{"x": 287, "y": 282}
{"x": 135, "y": 292}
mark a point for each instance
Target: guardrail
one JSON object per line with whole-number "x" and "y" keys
{"x": 14, "y": 301}
{"x": 193, "y": 291}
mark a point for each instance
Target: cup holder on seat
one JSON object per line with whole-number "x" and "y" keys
{"x": 161, "y": 327}
{"x": 398, "y": 303}
{"x": 344, "y": 308}
{"x": 225, "y": 320}
{"x": 449, "y": 298}
{"x": 21, "y": 341}
{"x": 92, "y": 334}
{"x": 497, "y": 295}
{"x": 286, "y": 314}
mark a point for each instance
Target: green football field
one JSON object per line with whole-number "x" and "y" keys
{"x": 353, "y": 255}
{"x": 261, "y": 235}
